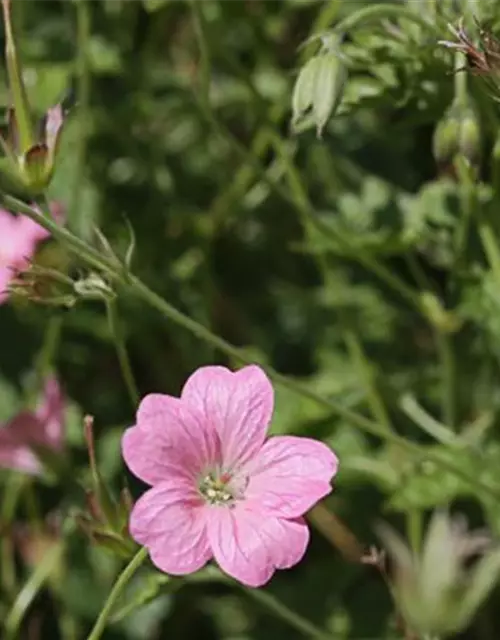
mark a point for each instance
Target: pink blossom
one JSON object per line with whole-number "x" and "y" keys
{"x": 43, "y": 427}
{"x": 220, "y": 488}
{"x": 19, "y": 237}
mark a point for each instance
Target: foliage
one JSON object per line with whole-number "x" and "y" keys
{"x": 362, "y": 266}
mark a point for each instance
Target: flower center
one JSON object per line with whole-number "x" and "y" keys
{"x": 216, "y": 490}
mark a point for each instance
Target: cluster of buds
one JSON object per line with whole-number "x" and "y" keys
{"x": 106, "y": 520}
{"x": 439, "y": 590}
{"x": 30, "y": 155}
{"x": 48, "y": 286}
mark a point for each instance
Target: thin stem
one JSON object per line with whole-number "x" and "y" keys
{"x": 30, "y": 590}
{"x": 265, "y": 599}
{"x": 116, "y": 592}
{"x": 375, "y": 401}
{"x": 49, "y": 347}
{"x": 141, "y": 291}
{"x": 121, "y": 352}
{"x": 448, "y": 398}
{"x": 293, "y": 619}
{"x": 311, "y": 222}
{"x": 11, "y": 495}
{"x": 83, "y": 97}
{"x": 414, "y": 528}
{"x": 199, "y": 24}
{"x": 460, "y": 79}
{"x": 336, "y": 532}
{"x": 490, "y": 246}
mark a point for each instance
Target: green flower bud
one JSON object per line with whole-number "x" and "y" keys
{"x": 470, "y": 137}
{"x": 457, "y": 133}
{"x": 445, "y": 143}
{"x": 319, "y": 88}
{"x": 29, "y": 158}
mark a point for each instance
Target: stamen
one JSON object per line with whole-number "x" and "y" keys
{"x": 215, "y": 490}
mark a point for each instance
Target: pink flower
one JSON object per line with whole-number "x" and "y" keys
{"x": 220, "y": 489}
{"x": 19, "y": 237}
{"x": 30, "y": 429}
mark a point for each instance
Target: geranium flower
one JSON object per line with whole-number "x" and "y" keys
{"x": 19, "y": 238}
{"x": 29, "y": 430}
{"x": 220, "y": 488}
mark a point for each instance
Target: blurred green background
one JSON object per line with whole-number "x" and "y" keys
{"x": 354, "y": 262}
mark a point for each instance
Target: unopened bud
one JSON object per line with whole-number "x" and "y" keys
{"x": 94, "y": 287}
{"x": 445, "y": 142}
{"x": 458, "y": 133}
{"x": 470, "y": 137}
{"x": 319, "y": 87}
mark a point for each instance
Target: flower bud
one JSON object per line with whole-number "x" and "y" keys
{"x": 94, "y": 287}
{"x": 319, "y": 87}
{"x": 106, "y": 520}
{"x": 29, "y": 159}
{"x": 445, "y": 143}
{"x": 470, "y": 137}
{"x": 457, "y": 133}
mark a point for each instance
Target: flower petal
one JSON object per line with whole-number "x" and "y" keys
{"x": 53, "y": 124}
{"x": 150, "y": 456}
{"x": 170, "y": 521}
{"x": 238, "y": 404}
{"x": 181, "y": 433}
{"x": 16, "y": 440}
{"x": 50, "y": 412}
{"x": 289, "y": 475}
{"x": 250, "y": 548}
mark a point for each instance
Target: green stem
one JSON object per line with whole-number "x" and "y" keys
{"x": 490, "y": 246}
{"x": 414, "y": 528}
{"x": 460, "y": 80}
{"x": 121, "y": 352}
{"x": 12, "y": 493}
{"x": 30, "y": 590}
{"x": 375, "y": 401}
{"x": 141, "y": 291}
{"x": 83, "y": 97}
{"x": 266, "y": 600}
{"x": 49, "y": 347}
{"x": 292, "y": 618}
{"x": 199, "y": 24}
{"x": 448, "y": 402}
{"x": 116, "y": 592}
{"x": 16, "y": 84}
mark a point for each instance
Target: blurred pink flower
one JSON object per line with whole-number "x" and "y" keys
{"x": 19, "y": 237}
{"x": 220, "y": 488}
{"x": 42, "y": 428}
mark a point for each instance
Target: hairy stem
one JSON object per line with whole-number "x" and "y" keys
{"x": 124, "y": 578}
{"x": 121, "y": 352}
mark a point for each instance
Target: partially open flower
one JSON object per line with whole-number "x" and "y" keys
{"x": 25, "y": 437}
{"x": 439, "y": 591}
